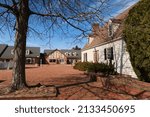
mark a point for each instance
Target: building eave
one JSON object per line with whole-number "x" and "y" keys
{"x": 110, "y": 41}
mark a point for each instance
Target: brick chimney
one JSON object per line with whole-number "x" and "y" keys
{"x": 95, "y": 28}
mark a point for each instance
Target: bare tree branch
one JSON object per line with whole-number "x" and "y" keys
{"x": 6, "y": 6}
{"x": 14, "y": 2}
{"x": 71, "y": 23}
{"x": 2, "y": 13}
{"x": 50, "y": 15}
{"x": 44, "y": 15}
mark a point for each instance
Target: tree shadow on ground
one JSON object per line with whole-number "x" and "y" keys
{"x": 2, "y": 81}
{"x": 67, "y": 82}
{"x": 82, "y": 87}
{"x": 102, "y": 92}
{"x": 31, "y": 67}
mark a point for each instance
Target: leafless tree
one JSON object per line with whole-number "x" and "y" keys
{"x": 19, "y": 15}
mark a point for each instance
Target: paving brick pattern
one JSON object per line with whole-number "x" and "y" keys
{"x": 72, "y": 85}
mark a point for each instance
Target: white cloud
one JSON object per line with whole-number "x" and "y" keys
{"x": 126, "y": 6}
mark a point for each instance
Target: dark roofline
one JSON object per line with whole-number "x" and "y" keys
{"x": 4, "y": 48}
{"x": 35, "y": 52}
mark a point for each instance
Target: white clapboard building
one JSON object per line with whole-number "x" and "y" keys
{"x": 106, "y": 44}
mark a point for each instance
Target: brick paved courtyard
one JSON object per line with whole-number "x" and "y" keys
{"x": 72, "y": 84}
{"x": 47, "y": 75}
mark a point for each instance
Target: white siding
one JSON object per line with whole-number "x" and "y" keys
{"x": 120, "y": 54}
{"x": 89, "y": 55}
{"x": 90, "y": 39}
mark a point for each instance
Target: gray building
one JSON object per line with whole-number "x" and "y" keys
{"x": 7, "y": 53}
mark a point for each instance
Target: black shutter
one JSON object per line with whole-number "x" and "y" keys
{"x": 85, "y": 57}
{"x": 112, "y": 55}
{"x": 105, "y": 56}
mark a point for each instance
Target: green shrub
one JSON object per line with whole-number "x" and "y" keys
{"x": 95, "y": 67}
{"x": 137, "y": 38}
{"x": 82, "y": 66}
{"x": 102, "y": 68}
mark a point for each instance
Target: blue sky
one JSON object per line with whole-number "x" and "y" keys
{"x": 60, "y": 40}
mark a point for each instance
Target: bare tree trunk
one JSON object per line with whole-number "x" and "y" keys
{"x": 18, "y": 80}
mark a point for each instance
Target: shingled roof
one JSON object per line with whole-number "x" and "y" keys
{"x": 63, "y": 51}
{"x": 5, "y": 51}
{"x": 34, "y": 52}
{"x": 78, "y": 53}
{"x": 101, "y": 35}
{"x": 2, "y": 48}
{"x": 48, "y": 51}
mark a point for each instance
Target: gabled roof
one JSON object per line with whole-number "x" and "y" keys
{"x": 101, "y": 36}
{"x": 48, "y": 51}
{"x": 2, "y": 48}
{"x": 34, "y": 51}
{"x": 7, "y": 53}
{"x": 64, "y": 51}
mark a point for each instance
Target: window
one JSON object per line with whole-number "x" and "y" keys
{"x": 110, "y": 30}
{"x": 27, "y": 52}
{"x": 29, "y": 61}
{"x": 62, "y": 60}
{"x": 96, "y": 56}
{"x": 66, "y": 53}
{"x": 85, "y": 57}
{"x": 52, "y": 60}
{"x": 74, "y": 54}
{"x": 108, "y": 53}
{"x": 70, "y": 54}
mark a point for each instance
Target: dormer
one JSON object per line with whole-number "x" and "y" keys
{"x": 28, "y": 52}
{"x": 66, "y": 53}
{"x": 74, "y": 54}
{"x": 113, "y": 25}
{"x": 90, "y": 39}
{"x": 110, "y": 28}
{"x": 95, "y": 28}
